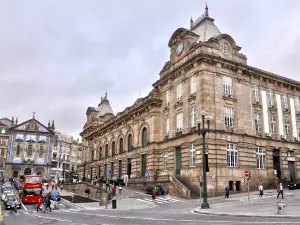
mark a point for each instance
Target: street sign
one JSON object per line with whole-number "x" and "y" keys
{"x": 109, "y": 172}
{"x": 147, "y": 174}
{"x": 246, "y": 173}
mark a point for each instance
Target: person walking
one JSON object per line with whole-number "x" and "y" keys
{"x": 14, "y": 206}
{"x": 280, "y": 190}
{"x": 168, "y": 196}
{"x": 72, "y": 196}
{"x": 48, "y": 203}
{"x": 55, "y": 187}
{"x": 47, "y": 186}
{"x": 52, "y": 187}
{"x": 61, "y": 187}
{"x": 261, "y": 190}
{"x": 153, "y": 195}
{"x": 120, "y": 189}
{"x": 227, "y": 192}
{"x": 38, "y": 206}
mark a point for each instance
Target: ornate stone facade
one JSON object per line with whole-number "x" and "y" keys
{"x": 30, "y": 146}
{"x": 255, "y": 119}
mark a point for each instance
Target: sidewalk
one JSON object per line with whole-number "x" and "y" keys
{"x": 257, "y": 206}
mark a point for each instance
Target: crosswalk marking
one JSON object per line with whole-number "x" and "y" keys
{"x": 21, "y": 212}
{"x": 159, "y": 200}
{"x": 62, "y": 205}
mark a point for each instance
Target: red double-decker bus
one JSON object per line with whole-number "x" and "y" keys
{"x": 32, "y": 188}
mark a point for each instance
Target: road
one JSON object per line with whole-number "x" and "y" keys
{"x": 164, "y": 212}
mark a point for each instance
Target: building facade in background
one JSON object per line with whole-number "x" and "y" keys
{"x": 30, "y": 147}
{"x": 254, "y": 120}
{"x": 5, "y": 125}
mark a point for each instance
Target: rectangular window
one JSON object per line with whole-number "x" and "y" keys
{"x": 229, "y": 117}
{"x": 255, "y": 95}
{"x": 257, "y": 123}
{"x": 231, "y": 155}
{"x": 261, "y": 158}
{"x": 167, "y": 97}
{"x": 179, "y": 121}
{"x": 270, "y": 97}
{"x": 193, "y": 85}
{"x": 167, "y": 126}
{"x": 273, "y": 125}
{"x": 284, "y": 102}
{"x": 290, "y": 154}
{"x": 227, "y": 85}
{"x": 165, "y": 160}
{"x": 287, "y": 127}
{"x": 179, "y": 92}
{"x": 192, "y": 155}
{"x": 298, "y": 104}
{"x": 193, "y": 117}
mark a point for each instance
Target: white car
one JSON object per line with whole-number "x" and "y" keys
{"x": 9, "y": 195}
{"x": 5, "y": 193}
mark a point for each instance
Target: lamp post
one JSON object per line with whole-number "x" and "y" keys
{"x": 202, "y": 131}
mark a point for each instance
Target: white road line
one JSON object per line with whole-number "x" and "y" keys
{"x": 62, "y": 205}
{"x": 76, "y": 210}
{"x": 50, "y": 218}
{"x": 23, "y": 205}
{"x": 68, "y": 211}
{"x": 143, "y": 200}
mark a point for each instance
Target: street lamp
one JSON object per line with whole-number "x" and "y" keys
{"x": 203, "y": 131}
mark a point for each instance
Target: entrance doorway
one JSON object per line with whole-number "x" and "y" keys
{"x": 276, "y": 162}
{"x": 129, "y": 167}
{"x": 237, "y": 185}
{"x": 120, "y": 168}
{"x": 291, "y": 166}
{"x": 178, "y": 160}
{"x": 144, "y": 165}
{"x": 231, "y": 185}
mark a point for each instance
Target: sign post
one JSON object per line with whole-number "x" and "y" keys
{"x": 247, "y": 177}
{"x": 200, "y": 182}
{"x": 147, "y": 174}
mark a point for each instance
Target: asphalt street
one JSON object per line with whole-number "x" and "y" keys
{"x": 176, "y": 212}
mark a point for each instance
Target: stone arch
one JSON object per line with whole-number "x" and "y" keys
{"x": 27, "y": 171}
{"x": 144, "y": 125}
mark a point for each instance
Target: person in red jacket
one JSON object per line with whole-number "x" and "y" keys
{"x": 39, "y": 204}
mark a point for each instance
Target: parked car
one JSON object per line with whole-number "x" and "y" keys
{"x": 7, "y": 184}
{"x": 117, "y": 181}
{"x": 294, "y": 185}
{"x": 9, "y": 200}
{"x": 5, "y": 193}
{"x": 159, "y": 189}
{"x": 53, "y": 193}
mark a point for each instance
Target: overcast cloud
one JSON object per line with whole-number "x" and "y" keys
{"x": 59, "y": 57}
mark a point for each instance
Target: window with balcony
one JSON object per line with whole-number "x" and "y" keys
{"x": 232, "y": 155}
{"x": 178, "y": 92}
{"x": 193, "y": 117}
{"x": 192, "y": 155}
{"x": 106, "y": 151}
{"x": 167, "y": 98}
{"x": 261, "y": 158}
{"x": 227, "y": 85}
{"x": 229, "y": 117}
{"x": 273, "y": 125}
{"x": 192, "y": 85}
{"x": 179, "y": 122}
{"x": 255, "y": 95}
{"x": 144, "y": 137}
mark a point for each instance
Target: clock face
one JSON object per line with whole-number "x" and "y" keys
{"x": 179, "y": 48}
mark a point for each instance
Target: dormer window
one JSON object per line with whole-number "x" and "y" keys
{"x": 224, "y": 47}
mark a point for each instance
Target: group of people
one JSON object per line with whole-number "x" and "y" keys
{"x": 260, "y": 190}
{"x": 46, "y": 201}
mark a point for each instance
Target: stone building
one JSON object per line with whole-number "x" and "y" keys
{"x": 254, "y": 120}
{"x": 64, "y": 156}
{"x": 30, "y": 146}
{"x": 5, "y": 124}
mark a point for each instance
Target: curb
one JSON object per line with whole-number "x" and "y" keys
{"x": 249, "y": 216}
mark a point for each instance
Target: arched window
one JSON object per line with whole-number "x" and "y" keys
{"x": 27, "y": 171}
{"x": 113, "y": 148}
{"x": 106, "y": 150}
{"x": 41, "y": 151}
{"x": 29, "y": 150}
{"x": 100, "y": 151}
{"x": 144, "y": 137}
{"x": 121, "y": 146}
{"x": 18, "y": 150}
{"x": 129, "y": 142}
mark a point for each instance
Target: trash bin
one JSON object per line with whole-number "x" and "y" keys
{"x": 114, "y": 204}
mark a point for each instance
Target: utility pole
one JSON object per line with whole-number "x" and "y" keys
{"x": 200, "y": 182}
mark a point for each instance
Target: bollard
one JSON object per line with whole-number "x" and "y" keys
{"x": 280, "y": 207}
{"x": 114, "y": 204}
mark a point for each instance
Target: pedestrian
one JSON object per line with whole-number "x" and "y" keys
{"x": 261, "y": 190}
{"x": 48, "y": 206}
{"x": 227, "y": 192}
{"x": 55, "y": 199}
{"x": 61, "y": 187}
{"x": 168, "y": 194}
{"x": 153, "y": 195}
{"x": 45, "y": 203}
{"x": 72, "y": 196}
{"x": 120, "y": 189}
{"x": 114, "y": 190}
{"x": 14, "y": 206}
{"x": 38, "y": 204}
{"x": 280, "y": 190}
{"x": 52, "y": 187}
{"x": 47, "y": 186}
{"x": 55, "y": 187}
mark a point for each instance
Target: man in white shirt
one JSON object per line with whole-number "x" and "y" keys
{"x": 280, "y": 190}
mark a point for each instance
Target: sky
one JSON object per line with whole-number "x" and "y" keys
{"x": 59, "y": 57}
